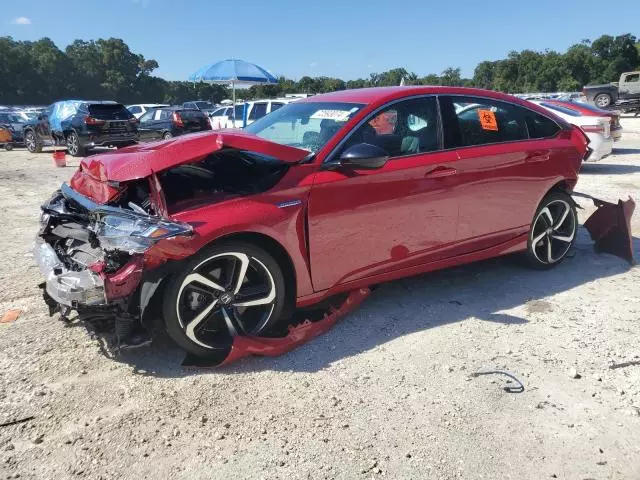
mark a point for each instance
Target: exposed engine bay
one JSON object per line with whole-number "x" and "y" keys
{"x": 93, "y": 255}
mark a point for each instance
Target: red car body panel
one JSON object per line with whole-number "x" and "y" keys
{"x": 343, "y": 231}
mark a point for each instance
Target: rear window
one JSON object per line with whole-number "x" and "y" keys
{"x": 591, "y": 108}
{"x": 109, "y": 111}
{"x": 558, "y": 108}
{"x": 192, "y": 114}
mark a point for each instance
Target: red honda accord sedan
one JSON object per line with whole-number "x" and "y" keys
{"x": 225, "y": 233}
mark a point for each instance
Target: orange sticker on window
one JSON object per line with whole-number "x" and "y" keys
{"x": 488, "y": 120}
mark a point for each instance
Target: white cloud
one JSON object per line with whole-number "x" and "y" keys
{"x": 313, "y": 64}
{"x": 142, "y": 3}
{"x": 21, "y": 21}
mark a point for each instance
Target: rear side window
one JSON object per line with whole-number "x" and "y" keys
{"x": 275, "y": 106}
{"x": 135, "y": 109}
{"x": 540, "y": 126}
{"x": 472, "y": 121}
{"x": 259, "y": 110}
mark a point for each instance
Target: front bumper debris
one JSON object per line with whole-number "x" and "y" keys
{"x": 610, "y": 227}
{"x": 272, "y": 347}
{"x": 68, "y": 287}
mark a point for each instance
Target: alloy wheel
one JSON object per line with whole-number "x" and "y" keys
{"x": 553, "y": 232}
{"x": 30, "y": 141}
{"x": 602, "y": 101}
{"x": 72, "y": 144}
{"x": 230, "y": 293}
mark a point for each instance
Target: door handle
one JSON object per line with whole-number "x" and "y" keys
{"x": 538, "y": 156}
{"x": 440, "y": 172}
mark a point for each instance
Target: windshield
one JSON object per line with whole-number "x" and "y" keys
{"x": 308, "y": 125}
{"x": 205, "y": 105}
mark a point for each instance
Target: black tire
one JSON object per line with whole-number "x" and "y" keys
{"x": 602, "y": 100}
{"x": 74, "y": 147}
{"x": 167, "y": 136}
{"x": 553, "y": 227}
{"x": 8, "y": 147}
{"x": 186, "y": 297}
{"x": 32, "y": 142}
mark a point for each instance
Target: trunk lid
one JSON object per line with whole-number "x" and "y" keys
{"x": 99, "y": 176}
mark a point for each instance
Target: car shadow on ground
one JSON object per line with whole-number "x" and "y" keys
{"x": 608, "y": 169}
{"x": 626, "y": 151}
{"x": 484, "y": 290}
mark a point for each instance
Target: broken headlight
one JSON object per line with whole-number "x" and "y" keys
{"x": 135, "y": 234}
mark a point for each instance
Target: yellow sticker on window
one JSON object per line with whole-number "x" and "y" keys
{"x": 488, "y": 120}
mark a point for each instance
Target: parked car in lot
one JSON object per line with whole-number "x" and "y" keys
{"x": 81, "y": 126}
{"x": 15, "y": 122}
{"x": 171, "y": 122}
{"x": 627, "y": 88}
{"x": 202, "y": 105}
{"x": 597, "y": 128}
{"x": 591, "y": 111}
{"x": 225, "y": 233}
{"x": 256, "y": 109}
{"x": 141, "y": 108}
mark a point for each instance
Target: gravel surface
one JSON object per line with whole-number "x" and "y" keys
{"x": 389, "y": 392}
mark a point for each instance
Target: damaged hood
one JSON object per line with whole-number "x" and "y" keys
{"x": 143, "y": 160}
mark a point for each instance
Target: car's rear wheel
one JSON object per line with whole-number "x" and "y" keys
{"x": 229, "y": 289}
{"x": 32, "y": 143}
{"x": 553, "y": 231}
{"x": 73, "y": 145}
{"x": 602, "y": 100}
{"x": 8, "y": 147}
{"x": 167, "y": 135}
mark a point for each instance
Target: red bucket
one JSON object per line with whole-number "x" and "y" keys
{"x": 59, "y": 158}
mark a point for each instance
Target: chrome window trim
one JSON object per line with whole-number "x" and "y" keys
{"x": 329, "y": 159}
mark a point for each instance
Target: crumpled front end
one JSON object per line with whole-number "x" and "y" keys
{"x": 93, "y": 257}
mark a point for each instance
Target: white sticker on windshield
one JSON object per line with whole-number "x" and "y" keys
{"x": 337, "y": 115}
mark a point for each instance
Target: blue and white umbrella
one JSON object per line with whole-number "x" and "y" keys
{"x": 234, "y": 72}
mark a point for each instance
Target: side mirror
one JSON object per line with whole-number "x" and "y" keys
{"x": 364, "y": 156}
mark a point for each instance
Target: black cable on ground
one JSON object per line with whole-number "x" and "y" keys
{"x": 508, "y": 389}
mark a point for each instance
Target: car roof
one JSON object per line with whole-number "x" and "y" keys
{"x": 383, "y": 94}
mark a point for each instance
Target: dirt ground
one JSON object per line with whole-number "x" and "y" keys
{"x": 387, "y": 393}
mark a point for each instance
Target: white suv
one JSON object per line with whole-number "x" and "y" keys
{"x": 223, "y": 117}
{"x": 141, "y": 108}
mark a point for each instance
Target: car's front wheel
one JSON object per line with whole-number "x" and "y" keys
{"x": 553, "y": 231}
{"x": 229, "y": 289}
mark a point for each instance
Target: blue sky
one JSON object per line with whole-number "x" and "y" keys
{"x": 347, "y": 38}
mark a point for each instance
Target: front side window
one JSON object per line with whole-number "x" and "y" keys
{"x": 259, "y": 110}
{"x": 404, "y": 128}
{"x": 308, "y": 125}
{"x": 469, "y": 121}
